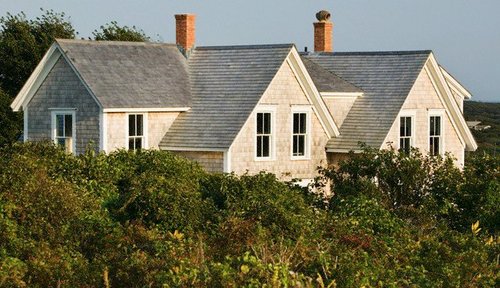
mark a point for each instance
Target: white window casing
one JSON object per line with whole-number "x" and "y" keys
{"x": 63, "y": 128}
{"x": 436, "y": 131}
{"x": 300, "y": 133}
{"x": 136, "y": 136}
{"x": 406, "y": 119}
{"x": 265, "y": 135}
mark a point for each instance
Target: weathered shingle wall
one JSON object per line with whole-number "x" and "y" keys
{"x": 63, "y": 89}
{"x": 158, "y": 125}
{"x": 421, "y": 98}
{"x": 210, "y": 161}
{"x": 283, "y": 92}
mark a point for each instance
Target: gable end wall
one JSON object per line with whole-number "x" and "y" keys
{"x": 284, "y": 92}
{"x": 63, "y": 89}
{"x": 421, "y": 98}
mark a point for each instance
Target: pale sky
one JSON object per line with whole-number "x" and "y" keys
{"x": 464, "y": 34}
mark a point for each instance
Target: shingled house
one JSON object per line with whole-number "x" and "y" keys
{"x": 243, "y": 108}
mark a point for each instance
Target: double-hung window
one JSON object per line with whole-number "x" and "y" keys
{"x": 63, "y": 129}
{"x": 435, "y": 135}
{"x": 136, "y": 138}
{"x": 405, "y": 134}
{"x": 300, "y": 134}
{"x": 264, "y": 135}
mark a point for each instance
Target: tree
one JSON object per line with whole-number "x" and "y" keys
{"x": 10, "y": 121}
{"x": 113, "y": 32}
{"x": 23, "y": 43}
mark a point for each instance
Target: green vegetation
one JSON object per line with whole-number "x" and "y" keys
{"x": 152, "y": 219}
{"x": 489, "y": 114}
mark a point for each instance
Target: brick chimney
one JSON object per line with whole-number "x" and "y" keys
{"x": 185, "y": 32}
{"x": 323, "y": 32}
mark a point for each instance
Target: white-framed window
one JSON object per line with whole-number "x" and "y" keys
{"x": 405, "y": 133}
{"x": 64, "y": 129}
{"x": 435, "y": 134}
{"x": 137, "y": 131}
{"x": 301, "y": 132}
{"x": 264, "y": 133}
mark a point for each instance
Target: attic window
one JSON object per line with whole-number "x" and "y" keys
{"x": 405, "y": 134}
{"x": 300, "y": 132}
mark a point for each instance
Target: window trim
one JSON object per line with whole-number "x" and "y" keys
{"x": 436, "y": 113}
{"x": 53, "y": 116}
{"x": 412, "y": 114}
{"x": 144, "y": 129}
{"x": 307, "y": 111}
{"x": 272, "y": 154}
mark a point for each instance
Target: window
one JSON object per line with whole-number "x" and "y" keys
{"x": 405, "y": 134}
{"x": 136, "y": 139}
{"x": 264, "y": 135}
{"x": 299, "y": 134}
{"x": 63, "y": 129}
{"x": 435, "y": 128}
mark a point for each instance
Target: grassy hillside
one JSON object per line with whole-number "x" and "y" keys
{"x": 489, "y": 114}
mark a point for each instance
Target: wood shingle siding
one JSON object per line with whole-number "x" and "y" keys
{"x": 63, "y": 89}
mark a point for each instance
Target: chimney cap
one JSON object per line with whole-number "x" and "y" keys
{"x": 323, "y": 16}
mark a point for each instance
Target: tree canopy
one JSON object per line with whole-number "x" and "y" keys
{"x": 23, "y": 43}
{"x": 113, "y": 32}
{"x": 98, "y": 220}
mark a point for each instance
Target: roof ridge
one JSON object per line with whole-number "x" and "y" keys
{"x": 395, "y": 52}
{"x": 241, "y": 47}
{"x": 105, "y": 42}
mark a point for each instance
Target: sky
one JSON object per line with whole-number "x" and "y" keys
{"x": 464, "y": 34}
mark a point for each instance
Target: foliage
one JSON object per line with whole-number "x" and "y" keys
{"x": 113, "y": 32}
{"x": 23, "y": 43}
{"x": 489, "y": 114}
{"x": 10, "y": 121}
{"x": 150, "y": 218}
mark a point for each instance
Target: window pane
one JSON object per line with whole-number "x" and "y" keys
{"x": 260, "y": 124}
{"x": 59, "y": 125}
{"x": 295, "y": 145}
{"x": 296, "y": 123}
{"x": 437, "y": 130}
{"x": 408, "y": 126}
{"x": 265, "y": 146}
{"x": 68, "y": 125}
{"x": 61, "y": 141}
{"x": 302, "y": 123}
{"x": 259, "y": 146}
{"x": 131, "y": 125}
{"x": 431, "y": 128}
{"x": 138, "y": 143}
{"x": 267, "y": 123}
{"x": 139, "y": 125}
{"x": 131, "y": 143}
{"x": 302, "y": 145}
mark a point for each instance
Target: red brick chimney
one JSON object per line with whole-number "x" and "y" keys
{"x": 323, "y": 32}
{"x": 185, "y": 32}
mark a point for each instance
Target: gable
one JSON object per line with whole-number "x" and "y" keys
{"x": 422, "y": 102}
{"x": 284, "y": 96}
{"x": 386, "y": 79}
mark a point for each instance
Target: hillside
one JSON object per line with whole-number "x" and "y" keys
{"x": 489, "y": 114}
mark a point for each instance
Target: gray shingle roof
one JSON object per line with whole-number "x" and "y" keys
{"x": 131, "y": 74}
{"x": 327, "y": 81}
{"x": 386, "y": 79}
{"x": 227, "y": 82}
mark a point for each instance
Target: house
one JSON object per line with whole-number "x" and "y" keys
{"x": 476, "y": 125}
{"x": 243, "y": 108}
